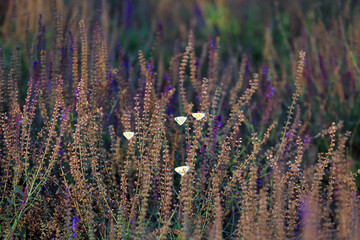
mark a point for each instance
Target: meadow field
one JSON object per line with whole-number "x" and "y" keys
{"x": 192, "y": 119}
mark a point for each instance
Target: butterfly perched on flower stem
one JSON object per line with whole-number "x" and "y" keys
{"x": 182, "y": 170}
{"x": 198, "y": 115}
{"x": 180, "y": 120}
{"x": 128, "y": 135}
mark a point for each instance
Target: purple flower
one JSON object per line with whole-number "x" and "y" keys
{"x": 129, "y": 10}
{"x": 270, "y": 92}
{"x": 73, "y": 224}
{"x": 307, "y": 139}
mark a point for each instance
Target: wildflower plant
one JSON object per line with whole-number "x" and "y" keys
{"x": 97, "y": 142}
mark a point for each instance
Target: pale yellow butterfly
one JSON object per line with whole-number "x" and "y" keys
{"x": 180, "y": 120}
{"x": 182, "y": 170}
{"x": 128, "y": 135}
{"x": 198, "y": 115}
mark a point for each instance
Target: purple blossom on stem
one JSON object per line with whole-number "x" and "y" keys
{"x": 270, "y": 90}
{"x": 73, "y": 223}
{"x": 25, "y": 196}
{"x": 247, "y": 67}
{"x": 218, "y": 121}
{"x": 211, "y": 43}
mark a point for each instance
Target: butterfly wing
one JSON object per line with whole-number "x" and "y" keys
{"x": 198, "y": 115}
{"x": 182, "y": 170}
{"x": 180, "y": 120}
{"x": 128, "y": 135}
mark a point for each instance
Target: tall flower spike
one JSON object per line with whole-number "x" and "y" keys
{"x": 182, "y": 170}
{"x": 128, "y": 135}
{"x": 180, "y": 120}
{"x": 198, "y": 115}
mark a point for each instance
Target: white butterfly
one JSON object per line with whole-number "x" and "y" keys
{"x": 180, "y": 120}
{"x": 198, "y": 115}
{"x": 128, "y": 135}
{"x": 182, "y": 170}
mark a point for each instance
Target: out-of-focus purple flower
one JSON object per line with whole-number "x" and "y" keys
{"x": 159, "y": 26}
{"x": 247, "y": 66}
{"x": 266, "y": 73}
{"x": 270, "y": 91}
{"x": 198, "y": 11}
{"x": 25, "y": 196}
{"x": 218, "y": 121}
{"x": 323, "y": 71}
{"x": 254, "y": 121}
{"x": 307, "y": 139}
{"x": 128, "y": 13}
{"x": 169, "y": 111}
{"x": 73, "y": 223}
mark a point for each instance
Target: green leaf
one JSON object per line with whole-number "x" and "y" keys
{"x": 6, "y": 219}
{"x": 9, "y": 201}
{"x": 18, "y": 190}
